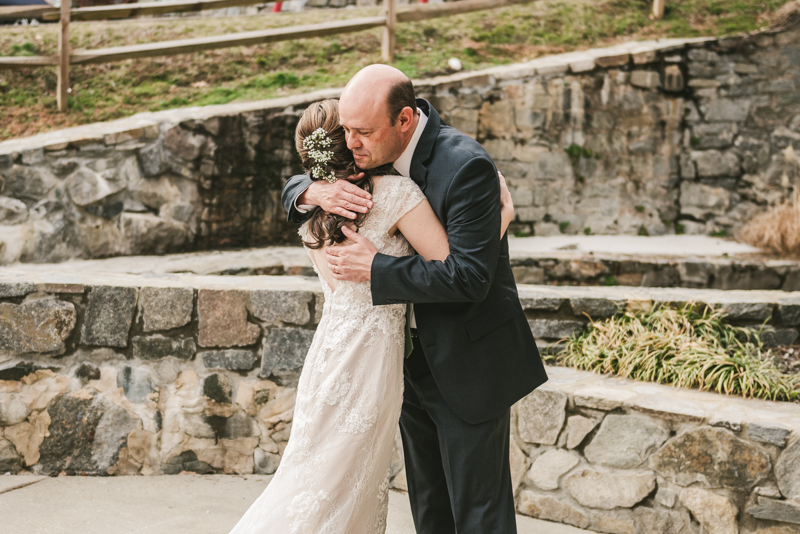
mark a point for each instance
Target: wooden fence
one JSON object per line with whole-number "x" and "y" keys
{"x": 389, "y": 20}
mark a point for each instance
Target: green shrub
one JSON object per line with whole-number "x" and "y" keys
{"x": 690, "y": 347}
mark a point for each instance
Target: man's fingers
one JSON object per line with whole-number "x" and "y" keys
{"x": 351, "y": 235}
{"x": 332, "y": 252}
{"x": 343, "y": 212}
{"x": 357, "y": 191}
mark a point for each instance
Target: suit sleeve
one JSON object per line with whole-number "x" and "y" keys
{"x": 293, "y": 189}
{"x": 473, "y": 227}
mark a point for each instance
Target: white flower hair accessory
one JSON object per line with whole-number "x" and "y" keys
{"x": 315, "y": 144}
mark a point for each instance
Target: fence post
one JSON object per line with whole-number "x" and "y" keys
{"x": 387, "y": 45}
{"x": 62, "y": 95}
{"x": 658, "y": 9}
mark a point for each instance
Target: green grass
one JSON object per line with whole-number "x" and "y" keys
{"x": 479, "y": 40}
{"x": 691, "y": 347}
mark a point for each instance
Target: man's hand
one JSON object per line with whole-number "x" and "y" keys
{"x": 341, "y": 197}
{"x": 352, "y": 262}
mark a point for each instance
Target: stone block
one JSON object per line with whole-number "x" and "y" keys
{"x": 135, "y": 383}
{"x": 714, "y": 135}
{"x": 596, "y": 308}
{"x": 702, "y": 201}
{"x": 284, "y": 352}
{"x": 156, "y": 347}
{"x": 87, "y": 187}
{"x": 13, "y": 410}
{"x": 27, "y": 183}
{"x": 747, "y": 311}
{"x": 727, "y": 110}
{"x": 232, "y": 359}
{"x": 548, "y": 467}
{"x": 218, "y": 388}
{"x": 711, "y": 457}
{"x": 10, "y": 461}
{"x": 714, "y": 512}
{"x": 165, "y": 308}
{"x": 787, "y": 471}
{"x": 465, "y": 121}
{"x": 656, "y": 520}
{"x": 116, "y": 138}
{"x": 773, "y": 433}
{"x": 776, "y": 337}
{"x": 152, "y": 160}
{"x": 74, "y": 289}
{"x": 518, "y": 462}
{"x": 184, "y": 143}
{"x": 549, "y": 508}
{"x": 222, "y": 318}
{"x": 578, "y": 427}
{"x": 713, "y": 163}
{"x": 16, "y": 289}
{"x": 36, "y": 326}
{"x": 673, "y": 79}
{"x": 600, "y": 398}
{"x": 608, "y": 61}
{"x": 608, "y": 490}
{"x": 85, "y": 436}
{"x": 12, "y": 211}
{"x": 286, "y": 306}
{"x": 109, "y": 314}
{"x": 665, "y": 496}
{"x": 555, "y": 328}
{"x": 266, "y": 463}
{"x": 774, "y": 510}
{"x": 541, "y": 415}
{"x": 646, "y": 79}
{"x": 788, "y": 314}
{"x": 541, "y": 303}
{"x": 145, "y": 233}
{"x": 626, "y": 441}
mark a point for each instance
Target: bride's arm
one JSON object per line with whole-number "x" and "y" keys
{"x": 507, "y": 206}
{"x": 422, "y": 228}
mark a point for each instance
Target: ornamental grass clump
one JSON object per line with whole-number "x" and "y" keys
{"x": 689, "y": 347}
{"x": 777, "y": 229}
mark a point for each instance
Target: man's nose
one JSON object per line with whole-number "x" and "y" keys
{"x": 352, "y": 141}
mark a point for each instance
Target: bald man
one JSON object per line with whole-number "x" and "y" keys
{"x": 474, "y": 355}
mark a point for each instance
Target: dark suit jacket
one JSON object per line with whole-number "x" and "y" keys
{"x": 470, "y": 322}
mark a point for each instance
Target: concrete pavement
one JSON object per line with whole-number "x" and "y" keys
{"x": 178, "y": 504}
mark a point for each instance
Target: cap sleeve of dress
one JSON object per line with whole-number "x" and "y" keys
{"x": 404, "y": 196}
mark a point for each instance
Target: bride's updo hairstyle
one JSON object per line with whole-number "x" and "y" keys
{"x": 326, "y": 228}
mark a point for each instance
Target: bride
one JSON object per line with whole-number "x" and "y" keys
{"x": 334, "y": 474}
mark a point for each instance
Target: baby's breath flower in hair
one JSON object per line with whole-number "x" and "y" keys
{"x": 315, "y": 145}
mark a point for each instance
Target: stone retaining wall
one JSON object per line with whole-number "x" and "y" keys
{"x": 652, "y": 137}
{"x": 113, "y": 374}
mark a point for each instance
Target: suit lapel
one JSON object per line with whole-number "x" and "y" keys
{"x": 419, "y": 172}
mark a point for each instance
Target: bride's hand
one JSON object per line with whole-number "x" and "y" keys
{"x": 341, "y": 197}
{"x": 506, "y": 205}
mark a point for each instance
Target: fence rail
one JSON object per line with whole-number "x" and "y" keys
{"x": 392, "y": 15}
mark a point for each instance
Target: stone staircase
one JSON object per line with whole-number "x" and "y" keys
{"x": 659, "y": 261}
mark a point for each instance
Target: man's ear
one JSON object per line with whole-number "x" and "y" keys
{"x": 406, "y": 119}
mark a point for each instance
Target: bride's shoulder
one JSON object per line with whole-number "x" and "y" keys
{"x": 396, "y": 186}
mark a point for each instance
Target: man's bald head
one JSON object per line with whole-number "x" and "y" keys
{"x": 383, "y": 85}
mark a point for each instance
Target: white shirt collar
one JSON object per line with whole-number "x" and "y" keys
{"x": 403, "y": 163}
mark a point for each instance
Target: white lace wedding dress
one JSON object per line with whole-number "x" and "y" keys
{"x": 334, "y": 474}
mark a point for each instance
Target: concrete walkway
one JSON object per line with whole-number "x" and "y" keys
{"x": 294, "y": 260}
{"x": 179, "y": 504}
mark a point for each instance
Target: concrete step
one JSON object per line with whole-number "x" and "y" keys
{"x": 659, "y": 261}
{"x": 178, "y": 504}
